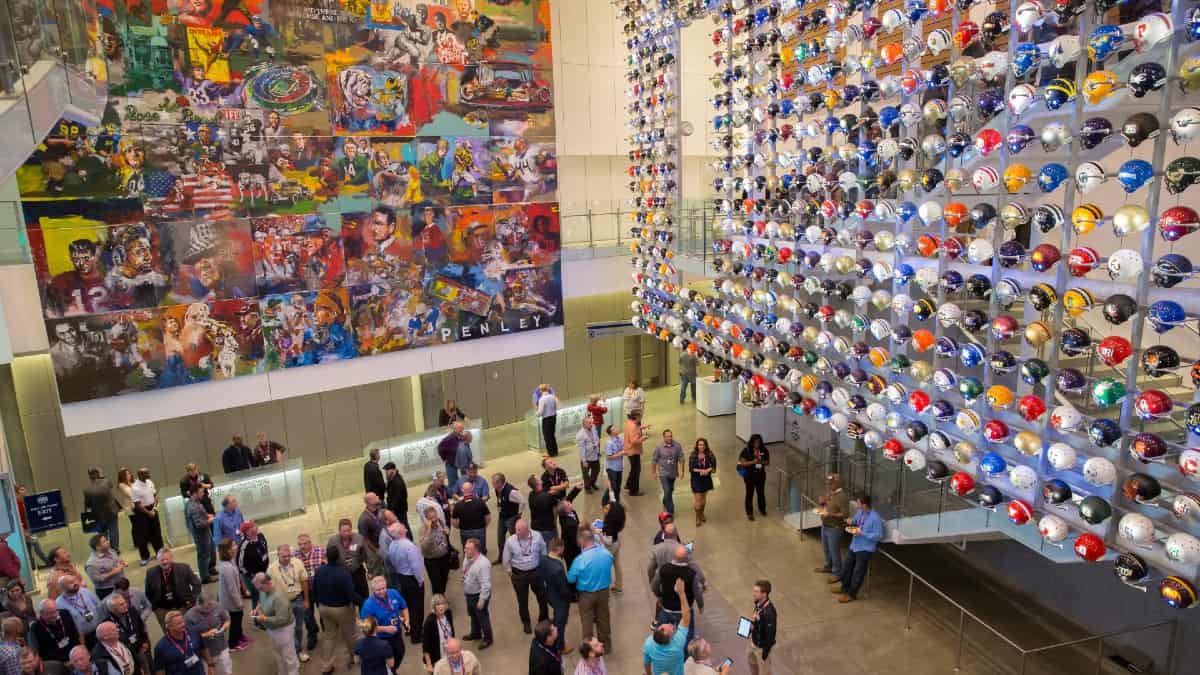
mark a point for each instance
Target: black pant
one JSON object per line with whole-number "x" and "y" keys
{"x": 414, "y": 596}
{"x": 634, "y": 482}
{"x": 438, "y": 570}
{"x": 397, "y": 644}
{"x": 359, "y": 577}
{"x": 505, "y": 526}
{"x": 756, "y": 481}
{"x": 522, "y": 582}
{"x": 147, "y": 534}
{"x": 235, "y": 628}
{"x": 591, "y": 471}
{"x": 549, "y": 424}
{"x": 561, "y": 614}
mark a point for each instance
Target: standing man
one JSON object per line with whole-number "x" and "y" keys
{"x": 373, "y": 477}
{"x": 834, "y": 509}
{"x": 274, "y": 615}
{"x": 237, "y": 457}
{"x": 211, "y": 623}
{"x": 397, "y": 493}
{"x": 407, "y": 573}
{"x": 228, "y": 523}
{"x": 83, "y": 605}
{"x": 511, "y": 504}
{"x": 193, "y": 478}
{"x": 753, "y": 461}
{"x": 333, "y": 590}
{"x": 614, "y": 460}
{"x": 471, "y": 516}
{"x": 369, "y": 526}
{"x": 312, "y": 557}
{"x": 867, "y": 528}
{"x": 477, "y": 586}
{"x": 568, "y": 527}
{"x": 181, "y": 652}
{"x": 110, "y": 655}
{"x": 553, "y": 572}
{"x": 470, "y": 474}
{"x": 541, "y": 510}
{"x": 104, "y": 567}
{"x": 391, "y": 616}
{"x": 687, "y": 375}
{"x": 592, "y": 575}
{"x": 545, "y": 658}
{"x": 448, "y": 451}
{"x": 131, "y": 629}
{"x": 201, "y": 526}
{"x": 762, "y": 630}
{"x": 349, "y": 545}
{"x": 546, "y": 404}
{"x": 521, "y": 558}
{"x": 99, "y": 500}
{"x": 147, "y": 532}
{"x": 268, "y": 452}
{"x": 588, "y": 441}
{"x": 170, "y": 587}
{"x": 253, "y": 557}
{"x": 290, "y": 576}
{"x": 667, "y": 465}
{"x": 635, "y": 435}
{"x": 663, "y": 651}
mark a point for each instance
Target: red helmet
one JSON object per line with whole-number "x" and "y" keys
{"x": 1044, "y": 256}
{"x": 1031, "y": 408}
{"x": 893, "y": 449}
{"x": 1004, "y": 327}
{"x": 1089, "y": 547}
{"x": 785, "y": 254}
{"x": 1082, "y": 260}
{"x": 829, "y": 208}
{"x": 871, "y": 26}
{"x": 988, "y": 140}
{"x": 825, "y": 313}
{"x": 995, "y": 431}
{"x": 953, "y": 247}
{"x": 807, "y": 405}
{"x": 918, "y": 401}
{"x": 1152, "y": 404}
{"x": 966, "y": 34}
{"x": 1178, "y": 221}
{"x": 864, "y": 208}
{"x": 955, "y": 213}
{"x": 1114, "y": 349}
{"x": 962, "y": 483}
{"x": 1020, "y": 512}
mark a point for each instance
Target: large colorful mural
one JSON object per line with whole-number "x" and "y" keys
{"x": 282, "y": 183}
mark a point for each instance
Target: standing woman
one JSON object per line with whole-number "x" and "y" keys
{"x": 634, "y": 398}
{"x": 124, "y": 496}
{"x": 634, "y": 437}
{"x": 230, "y": 592}
{"x": 435, "y": 548}
{"x": 450, "y": 414}
{"x": 752, "y": 465}
{"x": 437, "y": 629}
{"x": 702, "y": 464}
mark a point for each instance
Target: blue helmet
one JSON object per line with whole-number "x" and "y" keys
{"x": 822, "y": 413}
{"x": 786, "y": 107}
{"x": 866, "y": 151}
{"x": 971, "y": 355}
{"x": 945, "y": 347}
{"x": 1104, "y": 432}
{"x": 1059, "y": 92}
{"x": 958, "y": 143}
{"x": 1193, "y": 24}
{"x": 904, "y": 273}
{"x": 1026, "y": 59}
{"x": 938, "y": 76}
{"x": 1165, "y": 315}
{"x": 832, "y": 124}
{"x": 1171, "y": 269}
{"x": 991, "y": 102}
{"x": 1104, "y": 41}
{"x": 889, "y": 116}
{"x": 1052, "y": 176}
{"x": 1019, "y": 138}
{"x": 905, "y": 211}
{"x": 869, "y": 90}
{"x": 1134, "y": 174}
{"x": 993, "y": 464}
{"x": 851, "y": 93}
{"x": 915, "y": 10}
{"x": 952, "y": 281}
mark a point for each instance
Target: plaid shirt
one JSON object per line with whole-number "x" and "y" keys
{"x": 314, "y": 559}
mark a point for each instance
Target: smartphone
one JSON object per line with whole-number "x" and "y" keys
{"x": 690, "y": 546}
{"x": 726, "y": 663}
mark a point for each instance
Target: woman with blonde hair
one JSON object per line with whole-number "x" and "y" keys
{"x": 436, "y": 631}
{"x": 374, "y": 654}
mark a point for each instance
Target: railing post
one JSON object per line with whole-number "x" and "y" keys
{"x": 1023, "y": 658}
{"x": 591, "y": 236}
{"x": 908, "y": 606}
{"x": 1099, "y": 655}
{"x": 962, "y": 618}
{"x": 1171, "y": 647}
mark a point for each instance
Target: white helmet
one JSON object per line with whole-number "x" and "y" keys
{"x": 892, "y": 19}
{"x": 1053, "y": 528}
{"x": 985, "y": 179}
{"x": 813, "y": 233}
{"x": 1089, "y": 175}
{"x": 1124, "y": 265}
{"x": 881, "y": 299}
{"x": 927, "y": 279}
{"x": 884, "y": 210}
{"x": 914, "y": 459}
{"x": 930, "y": 213}
{"x": 888, "y": 148}
{"x": 1189, "y": 463}
{"x": 910, "y": 115}
{"x": 834, "y": 39}
{"x": 1185, "y": 126}
{"x": 960, "y": 107}
{"x": 903, "y": 243}
{"x": 838, "y": 421}
{"x": 980, "y": 250}
{"x": 1020, "y": 97}
{"x": 1099, "y": 471}
{"x": 1028, "y": 13}
{"x": 889, "y": 86}
{"x": 1136, "y": 528}
{"x": 1150, "y": 30}
{"x": 1186, "y": 506}
{"x": 876, "y": 413}
{"x": 880, "y": 329}
{"x": 938, "y": 41}
{"x": 993, "y": 65}
{"x": 901, "y": 303}
{"x": 860, "y": 296}
{"x": 967, "y": 421}
{"x": 1061, "y": 456}
{"x": 949, "y": 314}
{"x": 1063, "y": 50}
{"x": 1022, "y": 477}
{"x": 1183, "y": 548}
{"x": 1065, "y": 418}
{"x": 827, "y": 261}
{"x": 933, "y": 146}
{"x": 881, "y": 270}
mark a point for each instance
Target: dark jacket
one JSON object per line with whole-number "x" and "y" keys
{"x": 397, "y": 497}
{"x": 568, "y": 524}
{"x": 614, "y": 521}
{"x": 762, "y": 633}
{"x": 541, "y": 510}
{"x": 448, "y": 447}
{"x": 185, "y": 585}
{"x": 445, "y": 420}
{"x": 105, "y": 663}
{"x": 558, "y": 590}
{"x": 430, "y": 640}
{"x": 542, "y": 662}
{"x": 373, "y": 480}
{"x": 132, "y": 630}
{"x": 237, "y": 458}
{"x": 254, "y": 556}
{"x": 98, "y": 498}
{"x": 47, "y": 637}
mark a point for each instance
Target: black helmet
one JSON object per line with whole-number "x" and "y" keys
{"x": 983, "y": 213}
{"x": 1119, "y": 308}
{"x": 994, "y": 25}
{"x": 1056, "y": 491}
{"x": 988, "y": 495}
{"x": 1047, "y": 217}
{"x": 1159, "y": 360}
{"x": 916, "y": 430}
{"x": 1042, "y": 296}
{"x": 978, "y": 286}
{"x": 1104, "y": 432}
{"x": 1130, "y": 568}
{"x": 930, "y": 179}
{"x": 936, "y": 470}
{"x": 1094, "y": 510}
{"x": 1181, "y": 174}
{"x": 1140, "y": 487}
{"x": 1139, "y": 127}
{"x": 1074, "y": 342}
{"x": 1147, "y": 77}
{"x": 1094, "y": 131}
{"x": 908, "y": 148}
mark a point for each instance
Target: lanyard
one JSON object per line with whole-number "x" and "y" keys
{"x": 185, "y": 647}
{"x": 57, "y": 630}
{"x": 76, "y": 603}
{"x": 556, "y": 656}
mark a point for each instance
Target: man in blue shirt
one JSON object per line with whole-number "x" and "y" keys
{"x": 867, "y": 528}
{"x": 482, "y": 490}
{"x": 663, "y": 651}
{"x": 406, "y": 571}
{"x": 180, "y": 651}
{"x": 592, "y": 572}
{"x": 387, "y": 607}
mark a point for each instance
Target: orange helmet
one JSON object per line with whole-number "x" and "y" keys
{"x": 922, "y": 339}
{"x": 928, "y": 245}
{"x": 955, "y": 213}
{"x": 891, "y": 53}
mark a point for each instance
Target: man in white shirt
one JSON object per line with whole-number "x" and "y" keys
{"x": 547, "y": 410}
{"x": 700, "y": 660}
{"x": 147, "y": 532}
{"x": 588, "y": 442}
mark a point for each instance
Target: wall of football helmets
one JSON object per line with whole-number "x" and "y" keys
{"x": 959, "y": 232}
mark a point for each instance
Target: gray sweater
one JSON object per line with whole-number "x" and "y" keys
{"x": 477, "y": 577}
{"x": 229, "y": 590}
{"x": 277, "y": 608}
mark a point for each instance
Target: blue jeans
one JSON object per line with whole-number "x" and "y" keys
{"x": 668, "y": 616}
{"x": 481, "y": 535}
{"x": 614, "y": 480}
{"x": 548, "y": 535}
{"x": 831, "y": 543}
{"x": 451, "y": 475}
{"x": 668, "y": 486}
{"x": 204, "y": 553}
{"x": 854, "y": 570}
{"x": 304, "y": 619}
{"x": 481, "y": 619}
{"x": 684, "y": 381}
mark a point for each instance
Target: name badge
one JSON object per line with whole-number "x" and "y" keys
{"x": 353, "y": 547}
{"x": 169, "y": 596}
{"x": 133, "y": 639}
{"x": 758, "y": 466}
{"x": 63, "y": 642}
{"x": 191, "y": 660}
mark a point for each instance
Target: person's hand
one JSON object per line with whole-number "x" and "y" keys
{"x": 307, "y": 605}
{"x": 479, "y": 604}
{"x": 679, "y": 586}
{"x": 724, "y": 670}
{"x": 579, "y": 485}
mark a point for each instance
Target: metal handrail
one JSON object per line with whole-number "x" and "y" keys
{"x": 1102, "y": 636}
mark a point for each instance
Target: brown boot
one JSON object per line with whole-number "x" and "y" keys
{"x": 699, "y": 517}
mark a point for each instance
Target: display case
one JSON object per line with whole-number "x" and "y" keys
{"x": 715, "y": 398}
{"x": 416, "y": 454}
{"x": 263, "y": 492}
{"x": 570, "y": 419}
{"x": 766, "y": 420}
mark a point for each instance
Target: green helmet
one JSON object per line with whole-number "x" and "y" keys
{"x": 970, "y": 388}
{"x": 899, "y": 363}
{"x": 1094, "y": 510}
{"x": 858, "y": 323}
{"x": 810, "y": 357}
{"x": 1034, "y": 371}
{"x": 1181, "y": 174}
{"x": 1108, "y": 392}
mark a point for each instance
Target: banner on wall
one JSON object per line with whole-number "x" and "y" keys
{"x": 285, "y": 184}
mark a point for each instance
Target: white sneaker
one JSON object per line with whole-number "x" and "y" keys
{"x": 304, "y": 657}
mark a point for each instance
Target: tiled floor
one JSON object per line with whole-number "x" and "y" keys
{"x": 816, "y": 634}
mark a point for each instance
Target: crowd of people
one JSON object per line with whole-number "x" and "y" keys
{"x": 377, "y": 588}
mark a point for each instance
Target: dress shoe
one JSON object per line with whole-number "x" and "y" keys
{"x": 843, "y": 598}
{"x": 750, "y": 516}
{"x": 484, "y": 645}
{"x": 762, "y": 512}
{"x": 821, "y": 570}
{"x": 471, "y": 637}
{"x": 833, "y": 580}
{"x": 837, "y": 590}
{"x": 528, "y": 629}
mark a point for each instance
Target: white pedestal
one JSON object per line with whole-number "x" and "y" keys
{"x": 768, "y": 421}
{"x": 715, "y": 398}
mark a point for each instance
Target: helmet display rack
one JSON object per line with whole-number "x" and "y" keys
{"x": 840, "y": 281}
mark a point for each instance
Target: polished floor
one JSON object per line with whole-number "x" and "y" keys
{"x": 816, "y": 634}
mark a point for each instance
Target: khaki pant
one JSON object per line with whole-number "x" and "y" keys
{"x": 593, "y": 616}
{"x": 283, "y": 641}
{"x": 615, "y": 549}
{"x": 339, "y": 629}
{"x": 758, "y": 663}
{"x": 224, "y": 663}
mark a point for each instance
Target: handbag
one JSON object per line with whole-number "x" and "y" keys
{"x": 455, "y": 560}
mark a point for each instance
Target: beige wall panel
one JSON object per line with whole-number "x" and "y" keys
{"x": 571, "y": 45}
{"x": 469, "y": 390}
{"x": 219, "y": 429}
{"x": 343, "y": 438}
{"x": 306, "y": 429}
{"x": 268, "y": 418}
{"x": 376, "y": 419}
{"x": 402, "y": 406}
{"x": 139, "y": 446}
{"x": 33, "y": 379}
{"x": 43, "y": 434}
{"x": 605, "y": 40}
{"x": 608, "y": 370}
{"x": 182, "y": 442}
{"x": 554, "y": 371}
{"x": 579, "y": 364}
{"x": 527, "y": 374}
{"x": 502, "y": 407}
{"x": 83, "y": 452}
{"x": 573, "y": 94}
{"x": 607, "y": 101}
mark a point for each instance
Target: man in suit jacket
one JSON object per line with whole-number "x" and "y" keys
{"x": 238, "y": 457}
{"x": 170, "y": 586}
{"x": 553, "y": 572}
{"x": 99, "y": 500}
{"x": 397, "y": 494}
{"x": 373, "y": 476}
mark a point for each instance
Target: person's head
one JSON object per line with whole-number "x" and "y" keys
{"x": 13, "y": 629}
{"x": 304, "y": 543}
{"x": 60, "y": 556}
{"x": 680, "y": 555}
{"x": 756, "y": 442}
{"x": 68, "y": 583}
{"x": 116, "y": 603}
{"x": 588, "y": 422}
{"x": 48, "y": 610}
{"x": 124, "y": 476}
{"x": 585, "y": 538}
{"x": 535, "y": 484}
{"x": 81, "y": 659}
{"x": 206, "y": 602}
{"x": 229, "y": 503}
{"x": 468, "y": 490}
{"x": 701, "y": 446}
{"x": 379, "y": 587}
{"x": 95, "y": 473}
{"x": 333, "y": 556}
{"x": 594, "y": 398}
{"x": 99, "y": 543}
{"x": 664, "y": 633}
{"x": 175, "y": 625}
{"x": 374, "y": 454}
{"x": 249, "y": 530}
{"x": 285, "y": 555}
{"x": 459, "y": 428}
{"x": 864, "y": 502}
{"x": 699, "y": 650}
{"x": 543, "y": 387}
{"x": 471, "y": 548}
{"x": 431, "y": 513}
{"x": 669, "y": 531}
{"x": 368, "y": 626}
{"x": 107, "y": 633}
{"x": 591, "y": 649}
{"x": 668, "y": 437}
{"x": 31, "y": 663}
{"x": 498, "y": 481}
{"x": 192, "y": 469}
{"x": 390, "y": 470}
{"x": 345, "y": 528}
{"x": 15, "y": 590}
{"x": 521, "y": 527}
{"x": 371, "y": 502}
{"x": 264, "y": 583}
{"x": 143, "y": 474}
{"x": 237, "y": 439}
{"x": 472, "y": 468}
{"x": 83, "y": 254}
{"x": 549, "y": 464}
{"x": 165, "y": 557}
{"x": 226, "y": 549}
{"x": 261, "y": 437}
{"x": 633, "y": 384}
{"x": 451, "y": 404}
{"x": 555, "y": 546}
{"x": 762, "y": 590}
{"x": 440, "y": 604}
{"x": 545, "y": 633}
{"x": 833, "y": 481}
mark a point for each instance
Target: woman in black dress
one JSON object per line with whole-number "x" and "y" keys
{"x": 701, "y": 464}
{"x": 752, "y": 465}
